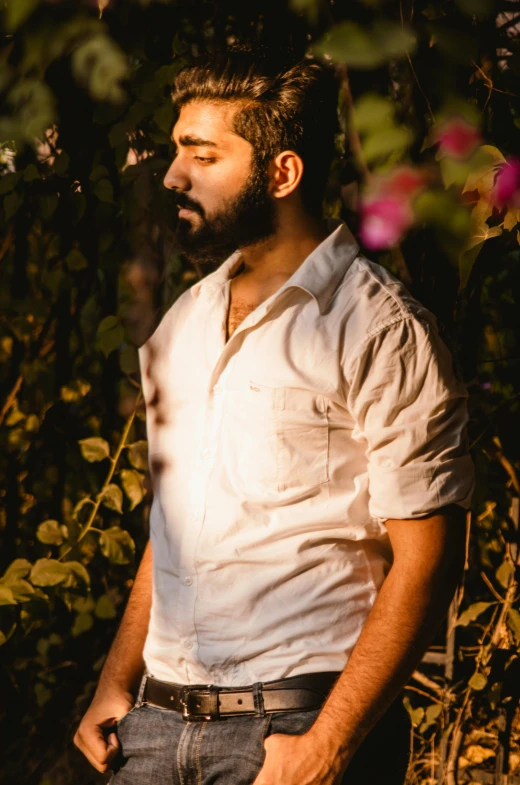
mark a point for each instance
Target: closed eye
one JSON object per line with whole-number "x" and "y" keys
{"x": 204, "y": 160}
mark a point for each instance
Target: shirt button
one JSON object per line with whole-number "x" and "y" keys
{"x": 193, "y": 517}
{"x": 204, "y": 453}
{"x": 188, "y": 580}
{"x": 188, "y": 645}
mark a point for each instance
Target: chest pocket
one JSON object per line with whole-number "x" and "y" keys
{"x": 276, "y": 438}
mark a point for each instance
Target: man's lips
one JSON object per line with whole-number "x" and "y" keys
{"x": 184, "y": 212}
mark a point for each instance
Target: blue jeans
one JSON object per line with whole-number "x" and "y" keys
{"x": 158, "y": 747}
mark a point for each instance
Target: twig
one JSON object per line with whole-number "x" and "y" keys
{"x": 412, "y": 69}
{"x": 113, "y": 463}
{"x": 11, "y": 398}
{"x": 426, "y": 682}
{"x": 490, "y": 586}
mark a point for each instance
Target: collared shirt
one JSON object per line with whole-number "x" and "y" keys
{"x": 277, "y": 456}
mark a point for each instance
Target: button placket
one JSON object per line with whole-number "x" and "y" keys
{"x": 198, "y": 498}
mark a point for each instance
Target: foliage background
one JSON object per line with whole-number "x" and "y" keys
{"x": 89, "y": 266}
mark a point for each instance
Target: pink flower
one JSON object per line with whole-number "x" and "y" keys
{"x": 457, "y": 138}
{"x": 507, "y": 184}
{"x": 383, "y": 221}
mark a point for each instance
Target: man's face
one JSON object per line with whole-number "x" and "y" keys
{"x": 222, "y": 192}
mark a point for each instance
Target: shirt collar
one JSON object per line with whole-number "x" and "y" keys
{"x": 319, "y": 274}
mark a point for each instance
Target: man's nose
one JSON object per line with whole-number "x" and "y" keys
{"x": 176, "y": 178}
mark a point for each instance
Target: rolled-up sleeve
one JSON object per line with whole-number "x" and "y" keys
{"x": 410, "y": 410}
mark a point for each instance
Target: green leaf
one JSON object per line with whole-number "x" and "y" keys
{"x": 383, "y": 143}
{"x": 19, "y": 568}
{"x": 128, "y": 359}
{"x": 94, "y": 449}
{"x": 9, "y": 181}
{"x": 82, "y": 623}
{"x": 351, "y": 44}
{"x": 75, "y": 260}
{"x": 17, "y": 11}
{"x": 98, "y": 173}
{"x": 360, "y": 47}
{"x": 504, "y": 573}
{"x": 117, "y": 545}
{"x": 373, "y": 112}
{"x": 31, "y": 173}
{"x": 79, "y": 506}
{"x": 478, "y": 681}
{"x": 22, "y": 590}
{"x": 110, "y": 335}
{"x": 112, "y": 497}
{"x": 513, "y": 622}
{"x": 4, "y": 636}
{"x": 433, "y": 712}
{"x": 131, "y": 482}
{"x": 75, "y": 391}
{"x": 138, "y": 455}
{"x": 61, "y": 163}
{"x": 78, "y": 573}
{"x": 473, "y": 612}
{"x": 12, "y": 204}
{"x": 51, "y": 533}
{"x": 104, "y": 191}
{"x": 105, "y": 608}
{"x": 49, "y": 572}
{"x": 42, "y": 693}
{"x": 101, "y": 66}
{"x": 6, "y": 596}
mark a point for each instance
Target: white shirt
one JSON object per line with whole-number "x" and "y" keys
{"x": 276, "y": 458}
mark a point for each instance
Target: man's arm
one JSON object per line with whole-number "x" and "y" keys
{"x": 121, "y": 673}
{"x": 428, "y": 561}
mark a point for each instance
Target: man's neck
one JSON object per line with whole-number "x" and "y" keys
{"x": 274, "y": 261}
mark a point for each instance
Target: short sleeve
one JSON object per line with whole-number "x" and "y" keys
{"x": 410, "y": 410}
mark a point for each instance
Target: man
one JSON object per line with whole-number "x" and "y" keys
{"x": 308, "y": 453}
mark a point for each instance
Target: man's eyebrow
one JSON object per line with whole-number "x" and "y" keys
{"x": 195, "y": 141}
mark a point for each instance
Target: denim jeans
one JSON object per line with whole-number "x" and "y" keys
{"x": 158, "y": 747}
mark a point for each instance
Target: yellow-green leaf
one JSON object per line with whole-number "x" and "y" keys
{"x": 131, "y": 482}
{"x": 49, "y": 572}
{"x": 503, "y": 574}
{"x": 112, "y": 497}
{"x": 117, "y": 545}
{"x": 6, "y": 596}
{"x": 513, "y": 622}
{"x": 473, "y": 612}
{"x": 52, "y": 533}
{"x": 105, "y": 608}
{"x": 19, "y": 568}
{"x": 478, "y": 681}
{"x": 94, "y": 449}
{"x": 17, "y": 11}
{"x": 138, "y": 455}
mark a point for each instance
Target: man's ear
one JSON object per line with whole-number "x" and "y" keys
{"x": 286, "y": 173}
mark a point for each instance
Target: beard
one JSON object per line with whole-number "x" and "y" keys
{"x": 241, "y": 221}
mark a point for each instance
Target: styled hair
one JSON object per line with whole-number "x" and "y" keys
{"x": 286, "y": 105}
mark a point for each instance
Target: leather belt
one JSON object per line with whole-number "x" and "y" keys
{"x": 210, "y": 702}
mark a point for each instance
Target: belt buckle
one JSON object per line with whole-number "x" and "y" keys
{"x": 186, "y": 714}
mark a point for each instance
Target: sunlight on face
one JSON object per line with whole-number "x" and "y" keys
{"x": 212, "y": 162}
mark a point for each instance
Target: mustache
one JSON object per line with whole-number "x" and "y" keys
{"x": 182, "y": 200}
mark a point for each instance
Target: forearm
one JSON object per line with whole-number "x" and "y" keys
{"x": 124, "y": 665}
{"x": 405, "y": 616}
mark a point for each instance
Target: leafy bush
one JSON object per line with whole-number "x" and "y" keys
{"x": 425, "y": 173}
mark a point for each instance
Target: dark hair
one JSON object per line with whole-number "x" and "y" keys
{"x": 287, "y": 105}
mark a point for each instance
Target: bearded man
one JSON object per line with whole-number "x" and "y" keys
{"x": 310, "y": 469}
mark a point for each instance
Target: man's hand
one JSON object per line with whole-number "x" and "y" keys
{"x": 91, "y": 736}
{"x": 298, "y": 760}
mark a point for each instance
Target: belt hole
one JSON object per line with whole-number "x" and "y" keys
{"x": 240, "y": 701}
